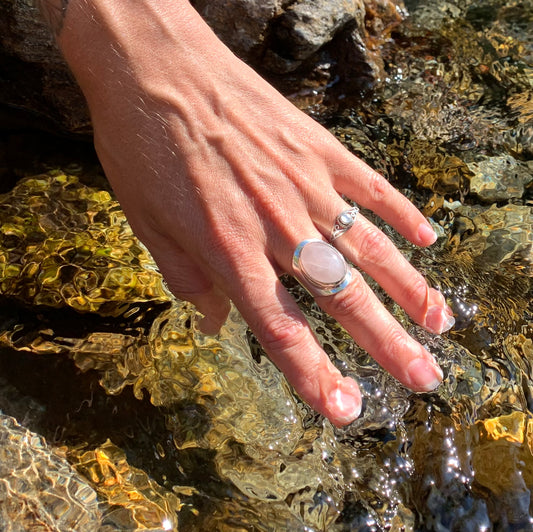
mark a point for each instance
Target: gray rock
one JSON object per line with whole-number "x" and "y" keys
{"x": 276, "y": 34}
{"x": 499, "y": 178}
{"x": 242, "y": 24}
{"x": 309, "y": 24}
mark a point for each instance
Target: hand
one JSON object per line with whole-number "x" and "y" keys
{"x": 221, "y": 178}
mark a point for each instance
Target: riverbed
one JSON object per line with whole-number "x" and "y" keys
{"x": 118, "y": 414}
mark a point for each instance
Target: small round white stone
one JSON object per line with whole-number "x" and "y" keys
{"x": 345, "y": 219}
{"x": 322, "y": 263}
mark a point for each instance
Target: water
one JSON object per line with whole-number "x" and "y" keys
{"x": 136, "y": 420}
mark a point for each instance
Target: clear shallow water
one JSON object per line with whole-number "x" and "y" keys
{"x": 150, "y": 424}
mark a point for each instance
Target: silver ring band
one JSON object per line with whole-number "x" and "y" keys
{"x": 343, "y": 222}
{"x": 320, "y": 267}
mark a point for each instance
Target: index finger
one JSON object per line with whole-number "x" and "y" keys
{"x": 359, "y": 182}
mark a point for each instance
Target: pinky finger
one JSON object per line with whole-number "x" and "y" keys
{"x": 187, "y": 282}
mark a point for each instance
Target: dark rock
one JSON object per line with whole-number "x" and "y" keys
{"x": 307, "y": 25}
{"x": 242, "y": 24}
{"x": 274, "y": 36}
{"x": 33, "y": 75}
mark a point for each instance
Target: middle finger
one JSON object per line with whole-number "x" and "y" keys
{"x": 361, "y": 313}
{"x": 348, "y": 299}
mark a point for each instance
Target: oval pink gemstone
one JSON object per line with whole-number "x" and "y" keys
{"x": 322, "y": 263}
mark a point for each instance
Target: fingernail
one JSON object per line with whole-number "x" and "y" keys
{"x": 439, "y": 319}
{"x": 424, "y": 374}
{"x": 426, "y": 234}
{"x": 344, "y": 405}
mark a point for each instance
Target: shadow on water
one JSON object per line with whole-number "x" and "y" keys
{"x": 52, "y": 397}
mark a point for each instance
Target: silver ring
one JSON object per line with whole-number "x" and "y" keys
{"x": 320, "y": 267}
{"x": 343, "y": 222}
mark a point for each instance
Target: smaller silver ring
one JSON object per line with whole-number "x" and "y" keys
{"x": 335, "y": 275}
{"x": 343, "y": 222}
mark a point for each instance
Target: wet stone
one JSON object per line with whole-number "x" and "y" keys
{"x": 502, "y": 234}
{"x": 64, "y": 244}
{"x": 499, "y": 178}
{"x": 39, "y": 489}
{"x": 221, "y": 440}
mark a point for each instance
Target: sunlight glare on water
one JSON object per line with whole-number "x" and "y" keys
{"x": 150, "y": 424}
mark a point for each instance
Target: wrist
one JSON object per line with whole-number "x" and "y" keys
{"x": 108, "y": 45}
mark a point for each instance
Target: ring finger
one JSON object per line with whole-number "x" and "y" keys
{"x": 372, "y": 251}
{"x": 343, "y": 293}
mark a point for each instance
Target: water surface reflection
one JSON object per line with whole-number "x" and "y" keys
{"x": 136, "y": 420}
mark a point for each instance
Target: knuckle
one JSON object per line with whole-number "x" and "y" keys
{"x": 395, "y": 343}
{"x": 416, "y": 290}
{"x": 378, "y": 187}
{"x": 350, "y": 302}
{"x": 281, "y": 332}
{"x": 374, "y": 247}
{"x": 405, "y": 210}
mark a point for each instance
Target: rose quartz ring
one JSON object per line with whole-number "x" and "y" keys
{"x": 321, "y": 267}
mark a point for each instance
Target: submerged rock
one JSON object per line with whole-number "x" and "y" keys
{"x": 72, "y": 246}
{"x": 502, "y": 234}
{"x": 499, "y": 178}
{"x": 39, "y": 489}
{"x": 132, "y": 499}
